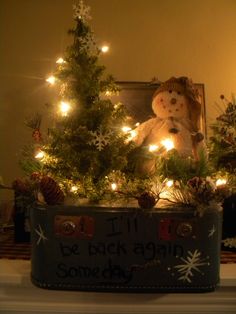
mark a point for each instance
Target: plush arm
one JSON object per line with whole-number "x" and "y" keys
{"x": 143, "y": 130}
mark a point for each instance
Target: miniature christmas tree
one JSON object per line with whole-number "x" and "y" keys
{"x": 223, "y": 156}
{"x": 223, "y": 140}
{"x": 88, "y": 141}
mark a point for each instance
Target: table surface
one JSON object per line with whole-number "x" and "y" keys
{"x": 18, "y": 295}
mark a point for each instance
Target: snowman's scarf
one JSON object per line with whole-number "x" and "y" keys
{"x": 184, "y": 122}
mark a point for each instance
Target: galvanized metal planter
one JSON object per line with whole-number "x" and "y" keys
{"x": 125, "y": 249}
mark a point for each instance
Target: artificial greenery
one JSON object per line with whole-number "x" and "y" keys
{"x": 172, "y": 165}
{"x": 87, "y": 144}
{"x": 27, "y": 162}
{"x": 222, "y": 144}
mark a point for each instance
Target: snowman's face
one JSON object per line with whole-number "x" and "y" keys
{"x": 170, "y": 104}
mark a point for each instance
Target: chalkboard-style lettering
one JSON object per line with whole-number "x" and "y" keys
{"x": 65, "y": 271}
{"x": 114, "y": 273}
{"x": 139, "y": 249}
{"x": 161, "y": 250}
{"x": 120, "y": 224}
{"x": 132, "y": 225}
{"x": 178, "y": 250}
{"x": 110, "y": 248}
{"x": 151, "y": 250}
{"x": 67, "y": 250}
{"x": 147, "y": 250}
{"x": 114, "y": 224}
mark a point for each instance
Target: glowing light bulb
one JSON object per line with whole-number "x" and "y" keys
{"x": 39, "y": 155}
{"x": 220, "y": 182}
{"x": 64, "y": 108}
{"x": 153, "y": 148}
{"x": 168, "y": 144}
{"x": 126, "y": 129}
{"x": 60, "y": 61}
{"x": 51, "y": 80}
{"x": 74, "y": 188}
{"x": 108, "y": 93}
{"x": 114, "y": 186}
{"x": 132, "y": 133}
{"x": 118, "y": 105}
{"x": 105, "y": 49}
{"x": 137, "y": 124}
{"x": 169, "y": 183}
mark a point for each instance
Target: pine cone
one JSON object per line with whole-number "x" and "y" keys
{"x": 51, "y": 191}
{"x": 199, "y": 137}
{"x": 35, "y": 176}
{"x": 146, "y": 200}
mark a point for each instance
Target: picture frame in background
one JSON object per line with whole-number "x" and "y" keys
{"x": 137, "y": 97}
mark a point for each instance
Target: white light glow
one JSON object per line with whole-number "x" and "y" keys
{"x": 220, "y": 182}
{"x": 114, "y": 186}
{"x": 39, "y": 155}
{"x": 153, "y": 148}
{"x": 51, "y": 80}
{"x": 169, "y": 183}
{"x": 105, "y": 49}
{"x": 60, "y": 61}
{"x": 132, "y": 133}
{"x": 137, "y": 124}
{"x": 64, "y": 108}
{"x": 126, "y": 129}
{"x": 118, "y": 105}
{"x": 74, "y": 188}
{"x": 108, "y": 93}
{"x": 168, "y": 144}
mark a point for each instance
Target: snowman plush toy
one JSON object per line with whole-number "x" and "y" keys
{"x": 177, "y": 120}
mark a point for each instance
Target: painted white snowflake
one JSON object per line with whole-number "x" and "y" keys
{"x": 192, "y": 262}
{"x": 100, "y": 139}
{"x": 81, "y": 11}
{"x": 212, "y": 231}
{"x": 41, "y": 234}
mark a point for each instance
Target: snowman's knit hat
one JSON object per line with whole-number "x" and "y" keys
{"x": 186, "y": 87}
{"x": 182, "y": 85}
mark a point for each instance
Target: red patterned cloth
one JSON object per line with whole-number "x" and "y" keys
{"x": 11, "y": 250}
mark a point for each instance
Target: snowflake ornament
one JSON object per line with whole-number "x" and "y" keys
{"x": 100, "y": 139}
{"x": 192, "y": 262}
{"x": 81, "y": 11}
{"x": 87, "y": 43}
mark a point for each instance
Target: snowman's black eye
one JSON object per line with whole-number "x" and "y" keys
{"x": 170, "y": 91}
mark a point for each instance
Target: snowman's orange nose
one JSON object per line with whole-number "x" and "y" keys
{"x": 173, "y": 101}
